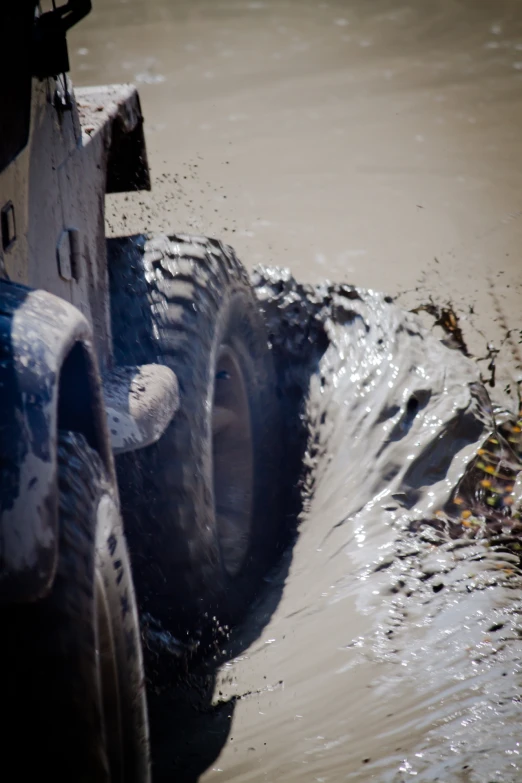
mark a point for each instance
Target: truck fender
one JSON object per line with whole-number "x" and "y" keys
{"x": 49, "y": 379}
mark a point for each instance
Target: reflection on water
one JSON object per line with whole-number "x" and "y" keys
{"x": 376, "y": 143}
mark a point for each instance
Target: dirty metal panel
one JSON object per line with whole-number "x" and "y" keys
{"x": 37, "y": 332}
{"x": 82, "y": 196}
{"x": 115, "y": 111}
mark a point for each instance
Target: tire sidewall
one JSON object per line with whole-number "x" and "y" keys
{"x": 239, "y": 328}
{"x": 237, "y": 324}
{"x": 112, "y": 562}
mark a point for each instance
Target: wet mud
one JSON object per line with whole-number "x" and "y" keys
{"x": 388, "y": 643}
{"x": 412, "y": 489}
{"x": 378, "y": 144}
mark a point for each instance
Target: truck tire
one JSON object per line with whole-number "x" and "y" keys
{"x": 201, "y": 506}
{"x": 75, "y": 689}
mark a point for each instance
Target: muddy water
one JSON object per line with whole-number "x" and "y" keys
{"x": 376, "y": 143}
{"x": 397, "y": 637}
{"x": 373, "y": 142}
{"x": 387, "y": 643}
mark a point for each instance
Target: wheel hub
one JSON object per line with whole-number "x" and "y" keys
{"x": 232, "y": 460}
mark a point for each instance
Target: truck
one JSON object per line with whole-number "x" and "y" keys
{"x": 140, "y": 425}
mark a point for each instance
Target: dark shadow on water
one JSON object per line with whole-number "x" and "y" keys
{"x": 190, "y": 722}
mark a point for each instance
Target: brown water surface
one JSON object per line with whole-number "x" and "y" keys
{"x": 377, "y": 143}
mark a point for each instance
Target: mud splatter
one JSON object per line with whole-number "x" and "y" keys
{"x": 411, "y": 485}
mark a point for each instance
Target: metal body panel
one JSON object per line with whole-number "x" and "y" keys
{"x": 38, "y": 331}
{"x": 52, "y": 193}
{"x": 58, "y": 183}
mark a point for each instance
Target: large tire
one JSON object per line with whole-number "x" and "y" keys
{"x": 74, "y": 692}
{"x": 202, "y": 518}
